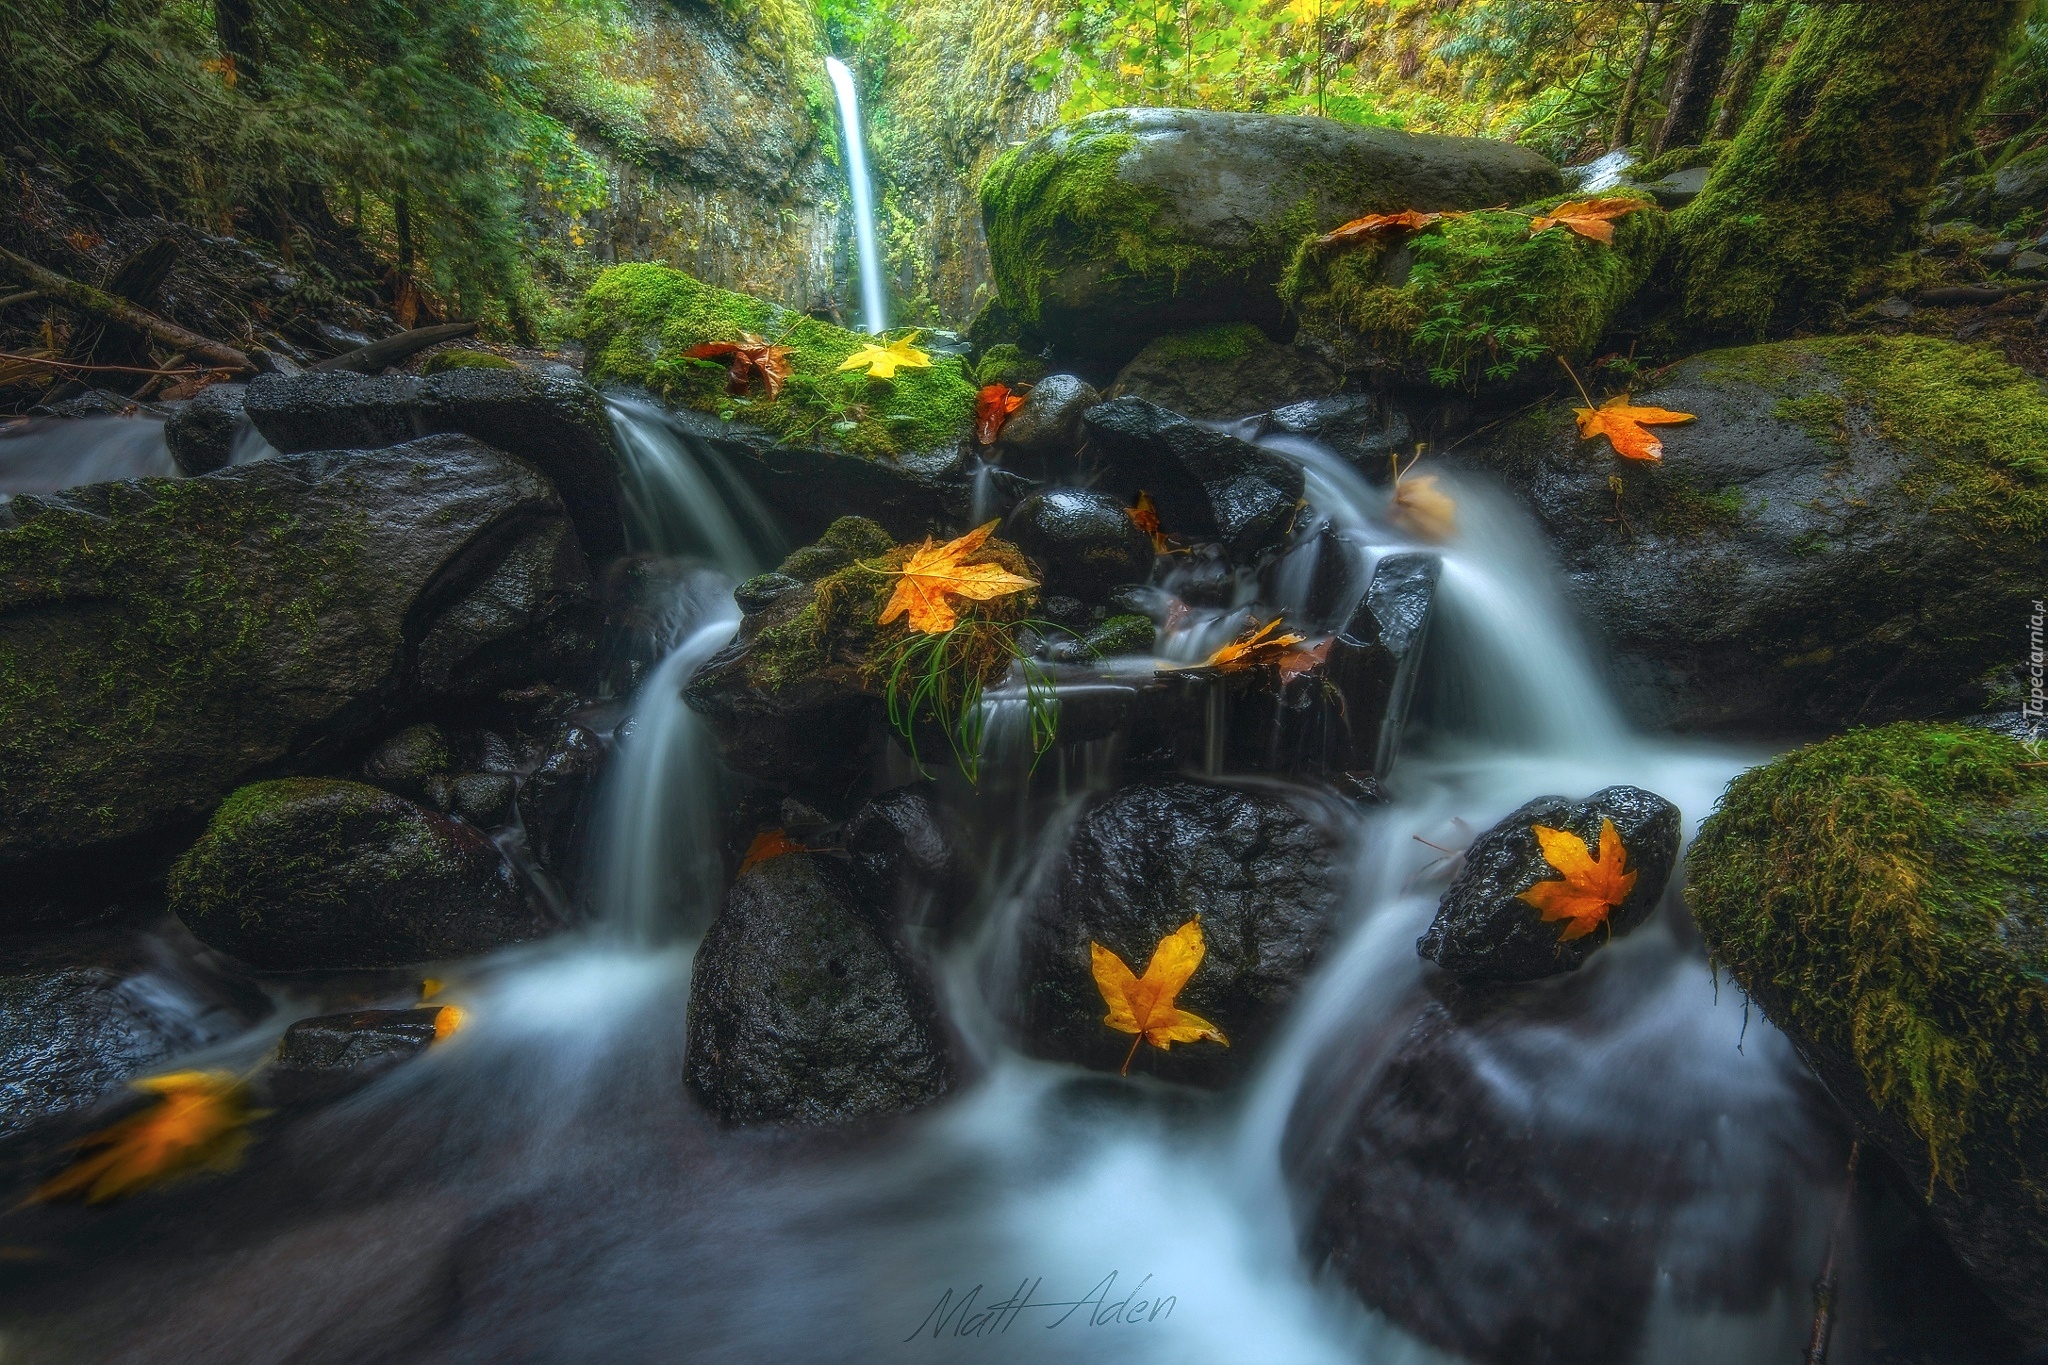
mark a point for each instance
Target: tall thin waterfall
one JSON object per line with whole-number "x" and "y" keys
{"x": 874, "y": 308}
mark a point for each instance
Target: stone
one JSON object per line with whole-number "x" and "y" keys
{"x": 1896, "y": 309}
{"x": 1839, "y": 539}
{"x": 1130, "y": 223}
{"x": 2029, "y": 263}
{"x": 802, "y": 1011}
{"x": 1484, "y": 931}
{"x": 1680, "y": 188}
{"x": 1082, "y": 542}
{"x": 321, "y": 874}
{"x": 1362, "y": 427}
{"x": 1045, "y": 433}
{"x": 483, "y": 799}
{"x": 1259, "y": 874}
{"x": 1998, "y": 255}
{"x": 323, "y": 1058}
{"x": 1229, "y": 370}
{"x": 201, "y": 433}
{"x": 408, "y": 760}
{"x": 268, "y": 618}
{"x": 909, "y": 858}
{"x": 558, "y": 799}
{"x": 1207, "y": 485}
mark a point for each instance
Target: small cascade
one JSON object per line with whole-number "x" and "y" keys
{"x": 681, "y": 496}
{"x": 50, "y": 454}
{"x": 874, "y": 308}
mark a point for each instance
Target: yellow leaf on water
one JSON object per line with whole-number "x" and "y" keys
{"x": 1591, "y": 887}
{"x": 1144, "y": 1005}
{"x": 1424, "y": 510}
{"x": 936, "y": 573}
{"x": 198, "y": 1122}
{"x": 882, "y": 362}
{"x": 1254, "y": 647}
{"x": 429, "y": 988}
{"x": 448, "y": 1019}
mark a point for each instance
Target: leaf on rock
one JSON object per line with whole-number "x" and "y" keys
{"x": 1358, "y": 229}
{"x": 447, "y": 1020}
{"x": 1254, "y": 647}
{"x": 1590, "y": 218}
{"x": 882, "y": 362}
{"x": 199, "y": 1121}
{"x": 1424, "y": 510}
{"x": 1591, "y": 887}
{"x": 1307, "y": 658}
{"x": 936, "y": 573}
{"x": 1627, "y": 427}
{"x": 769, "y": 843}
{"x": 992, "y": 409}
{"x": 1145, "y": 516}
{"x": 1144, "y": 1005}
{"x": 749, "y": 357}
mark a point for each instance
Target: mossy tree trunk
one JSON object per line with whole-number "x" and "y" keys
{"x": 1742, "y": 80}
{"x": 1699, "y": 76}
{"x": 1631, "y": 93}
{"x": 1833, "y": 170}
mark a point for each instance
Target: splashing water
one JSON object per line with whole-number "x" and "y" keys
{"x": 874, "y": 308}
{"x": 50, "y": 454}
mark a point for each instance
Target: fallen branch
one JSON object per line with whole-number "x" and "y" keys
{"x": 1825, "y": 1287}
{"x": 1975, "y": 293}
{"x": 118, "y": 369}
{"x": 380, "y": 354}
{"x": 24, "y": 296}
{"x": 88, "y": 299}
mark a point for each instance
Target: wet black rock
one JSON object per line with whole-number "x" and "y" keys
{"x": 558, "y": 799}
{"x": 483, "y": 799}
{"x": 201, "y": 433}
{"x": 1217, "y": 373}
{"x": 1083, "y": 543}
{"x": 316, "y": 873}
{"x": 1042, "y": 436}
{"x": 1206, "y": 484}
{"x": 909, "y": 857}
{"x": 803, "y": 1011}
{"x": 1260, "y": 875}
{"x": 81, "y": 1012}
{"x": 1362, "y": 427}
{"x": 1484, "y": 931}
{"x": 408, "y": 760}
{"x": 332, "y": 1054}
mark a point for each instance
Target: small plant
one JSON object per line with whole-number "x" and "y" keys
{"x": 939, "y": 677}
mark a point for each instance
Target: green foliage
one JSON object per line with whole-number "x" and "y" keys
{"x": 940, "y": 679}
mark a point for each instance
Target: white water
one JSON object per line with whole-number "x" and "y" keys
{"x": 49, "y": 454}
{"x": 874, "y": 308}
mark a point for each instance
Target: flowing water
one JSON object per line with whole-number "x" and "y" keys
{"x": 874, "y": 308}
{"x": 49, "y": 454}
{"x": 540, "y": 1188}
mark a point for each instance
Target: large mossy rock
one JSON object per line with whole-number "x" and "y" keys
{"x": 1229, "y": 370}
{"x": 832, "y": 443}
{"x": 316, "y": 873}
{"x": 1471, "y": 300}
{"x": 1129, "y": 223}
{"x": 1884, "y": 898}
{"x": 163, "y": 641}
{"x": 1854, "y": 531}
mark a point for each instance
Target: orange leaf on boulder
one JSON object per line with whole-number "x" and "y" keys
{"x": 1591, "y": 887}
{"x": 1590, "y": 218}
{"x": 1627, "y": 427}
{"x": 992, "y": 409}
{"x": 1412, "y": 220}
{"x": 935, "y": 573}
{"x": 1144, "y": 1005}
{"x": 771, "y": 843}
{"x": 748, "y": 358}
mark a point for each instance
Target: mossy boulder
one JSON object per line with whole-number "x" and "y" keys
{"x": 1108, "y": 231}
{"x": 1853, "y": 531}
{"x": 318, "y": 873}
{"x": 1475, "y": 299}
{"x": 1883, "y": 897}
{"x": 464, "y": 358}
{"x": 164, "y": 641}
{"x": 1230, "y": 370}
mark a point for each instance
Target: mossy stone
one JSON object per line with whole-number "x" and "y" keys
{"x": 440, "y": 362}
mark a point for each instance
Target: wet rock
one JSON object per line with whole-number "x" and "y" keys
{"x": 483, "y": 799}
{"x": 267, "y": 618}
{"x": 547, "y": 416}
{"x": 1484, "y": 931}
{"x": 1207, "y": 485}
{"x": 1362, "y": 427}
{"x": 201, "y": 433}
{"x": 558, "y": 799}
{"x": 1111, "y": 230}
{"x": 1125, "y": 634}
{"x": 316, "y": 873}
{"x": 1229, "y": 370}
{"x": 1260, "y": 875}
{"x": 803, "y": 1011}
{"x": 325, "y": 1057}
{"x": 1043, "y": 435}
{"x": 1836, "y": 541}
{"x": 910, "y": 858}
{"x": 1083, "y": 542}
{"x": 407, "y": 761}
{"x": 81, "y": 1012}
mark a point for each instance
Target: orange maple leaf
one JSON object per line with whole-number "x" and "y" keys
{"x": 1412, "y": 220}
{"x": 1590, "y": 888}
{"x": 1145, "y": 516}
{"x": 1626, "y": 426}
{"x": 769, "y": 843}
{"x": 199, "y": 1121}
{"x": 935, "y": 573}
{"x": 1590, "y": 218}
{"x": 1254, "y": 647}
{"x": 992, "y": 409}
{"x": 1143, "y": 1005}
{"x": 748, "y": 358}
{"x": 1295, "y": 662}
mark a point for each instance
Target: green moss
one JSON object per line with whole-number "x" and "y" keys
{"x": 1010, "y": 365}
{"x": 1476, "y": 297}
{"x": 1681, "y": 159}
{"x": 1677, "y": 509}
{"x": 1881, "y": 894}
{"x": 640, "y": 319}
{"x": 844, "y": 541}
{"x": 205, "y": 882}
{"x": 1125, "y": 634}
{"x": 1225, "y": 342}
{"x": 1821, "y": 415}
{"x": 459, "y": 359}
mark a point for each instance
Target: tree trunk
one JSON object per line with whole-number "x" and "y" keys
{"x": 1625, "y": 115}
{"x": 1837, "y": 165}
{"x": 1699, "y": 76}
{"x": 234, "y": 28}
{"x": 1742, "y": 80}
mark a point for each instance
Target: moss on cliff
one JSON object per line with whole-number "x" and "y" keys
{"x": 640, "y": 319}
{"x": 1882, "y": 895}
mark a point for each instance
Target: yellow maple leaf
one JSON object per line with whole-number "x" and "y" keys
{"x": 1144, "y": 1005}
{"x": 1590, "y": 888}
{"x": 935, "y": 573}
{"x": 1627, "y": 427}
{"x": 199, "y": 1121}
{"x": 882, "y": 362}
{"x": 1424, "y": 510}
{"x": 1254, "y": 647}
{"x": 1590, "y": 218}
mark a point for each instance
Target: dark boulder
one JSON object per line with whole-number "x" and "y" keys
{"x": 909, "y": 857}
{"x": 803, "y": 1011}
{"x": 486, "y": 800}
{"x": 407, "y": 761}
{"x": 201, "y": 433}
{"x": 1207, "y": 485}
{"x": 316, "y": 873}
{"x": 1083, "y": 543}
{"x": 1362, "y": 427}
{"x": 1258, "y": 873}
{"x": 1229, "y": 370}
{"x": 325, "y": 1057}
{"x": 558, "y": 799}
{"x": 1485, "y": 931}
{"x": 1042, "y": 436}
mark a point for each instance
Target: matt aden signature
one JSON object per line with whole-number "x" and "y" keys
{"x": 966, "y": 1316}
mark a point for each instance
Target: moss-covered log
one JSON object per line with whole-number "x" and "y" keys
{"x": 1834, "y": 168}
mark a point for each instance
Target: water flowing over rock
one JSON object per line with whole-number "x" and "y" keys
{"x": 329, "y": 1055}
{"x": 1259, "y": 874}
{"x": 201, "y": 434}
{"x": 803, "y": 1011}
{"x": 1485, "y": 931}
{"x": 318, "y": 873}
{"x": 1208, "y": 485}
{"x": 910, "y": 858}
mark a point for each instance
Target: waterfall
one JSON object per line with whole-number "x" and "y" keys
{"x": 874, "y": 307}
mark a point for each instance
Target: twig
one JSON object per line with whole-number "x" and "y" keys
{"x": 24, "y": 296}
{"x": 1975, "y": 293}
{"x": 392, "y": 349}
{"x": 91, "y": 300}
{"x": 1575, "y": 382}
{"x": 118, "y": 369}
{"x": 1824, "y": 1288}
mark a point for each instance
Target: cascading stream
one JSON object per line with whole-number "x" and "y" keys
{"x": 874, "y": 307}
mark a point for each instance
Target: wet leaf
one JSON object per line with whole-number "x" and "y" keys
{"x": 882, "y": 362}
{"x": 1254, "y": 647}
{"x": 1590, "y": 218}
{"x": 1307, "y": 658}
{"x": 1144, "y": 1005}
{"x": 1424, "y": 510}
{"x": 446, "y": 1021}
{"x": 1591, "y": 887}
{"x": 1626, "y": 427}
{"x": 748, "y": 358}
{"x": 1411, "y": 220}
{"x": 935, "y": 574}
{"x": 198, "y": 1122}
{"x": 992, "y": 409}
{"x": 1145, "y": 516}
{"x": 771, "y": 843}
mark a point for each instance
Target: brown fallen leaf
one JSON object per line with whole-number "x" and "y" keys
{"x": 936, "y": 573}
{"x": 1627, "y": 427}
{"x": 1590, "y": 218}
{"x": 993, "y": 407}
{"x": 1412, "y": 220}
{"x": 771, "y": 843}
{"x": 199, "y": 1121}
{"x": 748, "y": 358}
{"x": 1144, "y": 1005}
{"x": 1254, "y": 647}
{"x": 1590, "y": 888}
{"x": 1145, "y": 516}
{"x": 1307, "y": 658}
